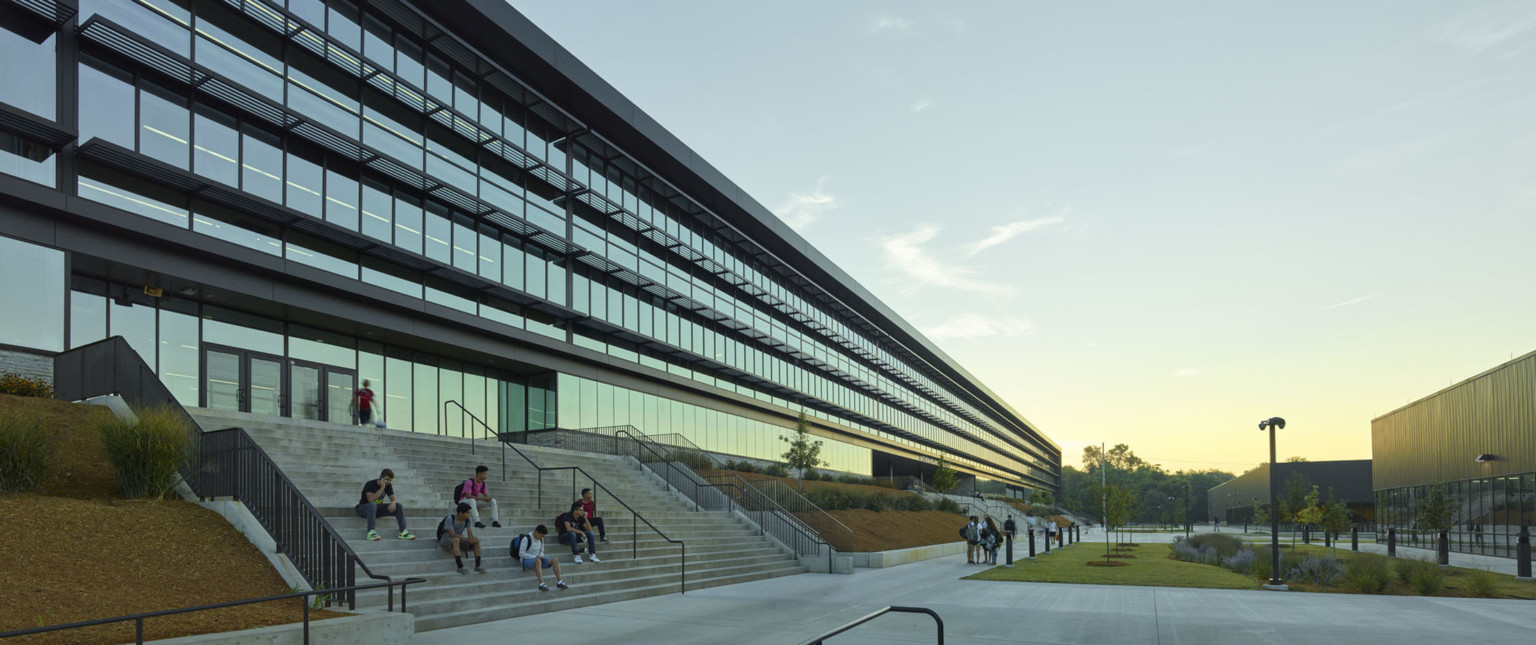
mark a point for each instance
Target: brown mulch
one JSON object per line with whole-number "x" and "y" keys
{"x": 887, "y": 530}
{"x": 78, "y": 552}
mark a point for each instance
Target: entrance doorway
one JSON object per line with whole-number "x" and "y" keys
{"x": 245, "y": 381}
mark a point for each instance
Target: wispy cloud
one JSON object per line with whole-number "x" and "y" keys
{"x": 923, "y": 103}
{"x": 1188, "y": 371}
{"x": 887, "y": 22}
{"x": 800, "y": 209}
{"x": 1353, "y": 301}
{"x": 1009, "y": 231}
{"x": 1477, "y": 34}
{"x": 965, "y": 326}
{"x": 907, "y": 255}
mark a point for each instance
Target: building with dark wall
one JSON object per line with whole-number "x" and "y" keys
{"x": 275, "y": 200}
{"x": 1348, "y": 481}
{"x": 1477, "y": 441}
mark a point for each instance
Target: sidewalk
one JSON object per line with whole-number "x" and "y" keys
{"x": 792, "y": 609}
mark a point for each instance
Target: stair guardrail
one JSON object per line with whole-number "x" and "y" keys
{"x": 223, "y": 463}
{"x": 635, "y": 517}
{"x": 892, "y": 609}
{"x": 138, "y": 619}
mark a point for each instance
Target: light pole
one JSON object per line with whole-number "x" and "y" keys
{"x": 1271, "y": 425}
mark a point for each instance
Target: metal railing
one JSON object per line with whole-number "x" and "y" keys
{"x": 893, "y": 609}
{"x": 222, "y": 463}
{"x": 138, "y": 619}
{"x": 830, "y": 529}
{"x": 635, "y": 517}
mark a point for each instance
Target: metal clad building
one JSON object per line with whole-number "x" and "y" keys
{"x": 1477, "y": 439}
{"x": 1348, "y": 480}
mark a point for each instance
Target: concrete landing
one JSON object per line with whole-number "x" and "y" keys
{"x": 793, "y": 609}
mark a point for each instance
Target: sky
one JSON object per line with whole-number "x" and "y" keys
{"x": 1142, "y": 223}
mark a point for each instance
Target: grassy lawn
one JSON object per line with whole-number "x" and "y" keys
{"x": 1152, "y": 567}
{"x": 1456, "y": 580}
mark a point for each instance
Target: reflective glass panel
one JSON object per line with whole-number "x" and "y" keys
{"x": 32, "y": 291}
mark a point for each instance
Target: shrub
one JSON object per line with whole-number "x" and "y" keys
{"x": 848, "y": 479}
{"x": 1262, "y": 567}
{"x": 776, "y": 470}
{"x": 948, "y": 506}
{"x": 146, "y": 455}
{"x": 1404, "y": 567}
{"x": 910, "y": 503}
{"x": 1321, "y": 571}
{"x": 1367, "y": 574}
{"x": 1240, "y": 562}
{"x": 1188, "y": 552}
{"x": 1482, "y": 583}
{"x": 1226, "y": 545}
{"x": 1427, "y": 580}
{"x": 24, "y": 454}
{"x": 18, "y": 385}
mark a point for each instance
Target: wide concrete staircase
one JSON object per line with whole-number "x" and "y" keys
{"x": 329, "y": 463}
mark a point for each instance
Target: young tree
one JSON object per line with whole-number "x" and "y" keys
{"x": 1260, "y": 514}
{"x": 1335, "y": 519}
{"x": 1295, "y": 499}
{"x": 1043, "y": 498}
{"x": 945, "y": 477}
{"x": 1437, "y": 511}
{"x": 804, "y": 453}
{"x": 1310, "y": 513}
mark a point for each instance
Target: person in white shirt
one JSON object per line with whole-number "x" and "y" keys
{"x": 529, "y": 549}
{"x": 972, "y": 540}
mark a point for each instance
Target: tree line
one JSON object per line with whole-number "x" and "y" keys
{"x": 1138, "y": 492}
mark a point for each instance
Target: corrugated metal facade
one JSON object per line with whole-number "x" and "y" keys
{"x": 1349, "y": 480}
{"x": 1437, "y": 438}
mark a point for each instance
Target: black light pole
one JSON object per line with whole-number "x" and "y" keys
{"x": 1275, "y": 583}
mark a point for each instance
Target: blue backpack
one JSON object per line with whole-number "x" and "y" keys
{"x": 516, "y": 551}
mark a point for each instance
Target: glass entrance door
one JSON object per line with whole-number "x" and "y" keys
{"x": 339, "y": 386}
{"x": 320, "y": 392}
{"x": 304, "y": 382}
{"x": 242, "y": 381}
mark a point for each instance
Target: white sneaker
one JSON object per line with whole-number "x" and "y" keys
{"x": 593, "y": 557}
{"x": 578, "y": 559}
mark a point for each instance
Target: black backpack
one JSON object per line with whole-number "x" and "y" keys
{"x": 441, "y": 529}
{"x": 517, "y": 552}
{"x": 458, "y": 492}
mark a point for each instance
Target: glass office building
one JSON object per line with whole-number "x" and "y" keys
{"x": 273, "y": 200}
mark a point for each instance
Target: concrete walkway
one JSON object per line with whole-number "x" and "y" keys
{"x": 792, "y": 609}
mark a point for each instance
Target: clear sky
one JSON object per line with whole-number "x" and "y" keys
{"x": 1151, "y": 223}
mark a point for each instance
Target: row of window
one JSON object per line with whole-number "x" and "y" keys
{"x": 1489, "y": 513}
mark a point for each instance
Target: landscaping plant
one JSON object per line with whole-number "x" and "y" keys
{"x": 1367, "y": 573}
{"x": 1320, "y": 571}
{"x": 804, "y": 454}
{"x": 18, "y": 385}
{"x": 24, "y": 454}
{"x": 1482, "y": 584}
{"x": 146, "y": 455}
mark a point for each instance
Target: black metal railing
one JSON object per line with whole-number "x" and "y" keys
{"x": 222, "y": 463}
{"x": 635, "y": 517}
{"x": 893, "y": 609}
{"x": 138, "y": 619}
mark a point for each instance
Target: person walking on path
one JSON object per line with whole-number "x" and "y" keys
{"x": 373, "y": 505}
{"x": 474, "y": 492}
{"x": 362, "y": 405}
{"x": 454, "y": 535}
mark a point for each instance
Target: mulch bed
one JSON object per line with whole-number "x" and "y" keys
{"x": 887, "y": 530}
{"x": 76, "y": 551}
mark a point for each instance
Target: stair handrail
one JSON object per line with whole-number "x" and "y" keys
{"x": 810, "y": 535}
{"x": 906, "y": 610}
{"x": 754, "y": 483}
{"x": 112, "y": 367}
{"x": 635, "y": 516}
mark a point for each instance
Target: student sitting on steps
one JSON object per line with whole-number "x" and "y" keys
{"x": 372, "y": 504}
{"x": 574, "y": 530}
{"x": 529, "y": 550}
{"x": 454, "y": 535}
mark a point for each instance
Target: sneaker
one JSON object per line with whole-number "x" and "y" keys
{"x": 479, "y": 525}
{"x": 593, "y": 557}
{"x": 495, "y": 524}
{"x": 561, "y": 584}
{"x": 479, "y": 569}
{"x": 462, "y": 571}
{"x": 604, "y": 540}
{"x": 578, "y": 559}
{"x": 545, "y": 587}
{"x": 406, "y": 535}
{"x": 372, "y": 534}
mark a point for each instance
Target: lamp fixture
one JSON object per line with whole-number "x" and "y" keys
{"x": 1483, "y": 458}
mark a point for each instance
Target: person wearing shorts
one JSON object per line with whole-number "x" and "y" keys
{"x": 530, "y": 550}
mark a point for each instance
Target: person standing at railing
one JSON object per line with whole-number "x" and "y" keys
{"x": 589, "y": 506}
{"x": 475, "y": 492}
{"x": 373, "y": 505}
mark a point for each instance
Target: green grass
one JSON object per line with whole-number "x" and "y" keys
{"x": 1152, "y": 568}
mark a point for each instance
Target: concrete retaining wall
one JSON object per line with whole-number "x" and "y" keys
{"x": 883, "y": 559}
{"x": 381, "y": 628}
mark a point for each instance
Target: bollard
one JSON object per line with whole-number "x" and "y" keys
{"x": 1327, "y": 539}
{"x": 1031, "y": 544}
{"x": 1306, "y": 535}
{"x": 1523, "y": 554}
{"x": 1391, "y": 543}
{"x": 1354, "y": 539}
{"x": 1059, "y": 538}
{"x": 1443, "y": 548}
{"x": 1009, "y": 538}
{"x": 1047, "y": 542}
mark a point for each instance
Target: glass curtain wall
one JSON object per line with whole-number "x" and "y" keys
{"x": 1490, "y": 512}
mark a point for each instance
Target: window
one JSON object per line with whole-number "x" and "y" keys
{"x": 261, "y": 164}
{"x": 408, "y": 223}
{"x": 216, "y": 146}
{"x": 116, "y": 189}
{"x": 163, "y": 125}
{"x": 303, "y": 180}
{"x": 438, "y": 234}
{"x": 32, "y": 292}
{"x": 231, "y": 226}
{"x": 341, "y": 195}
{"x": 378, "y": 211}
{"x": 27, "y": 73}
{"x": 87, "y": 318}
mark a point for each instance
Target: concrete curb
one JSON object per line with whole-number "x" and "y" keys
{"x": 898, "y": 557}
{"x": 374, "y": 628}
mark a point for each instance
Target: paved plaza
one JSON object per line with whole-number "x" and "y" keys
{"x": 792, "y": 609}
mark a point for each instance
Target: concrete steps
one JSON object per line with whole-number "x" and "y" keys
{"x": 330, "y": 463}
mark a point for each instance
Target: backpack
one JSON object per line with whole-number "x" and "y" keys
{"x": 517, "y": 552}
{"x": 458, "y": 492}
{"x": 441, "y": 529}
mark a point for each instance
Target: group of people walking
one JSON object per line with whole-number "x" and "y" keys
{"x": 579, "y": 527}
{"x": 983, "y": 537}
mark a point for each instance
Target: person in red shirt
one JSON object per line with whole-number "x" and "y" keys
{"x": 362, "y": 404}
{"x": 589, "y": 506}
